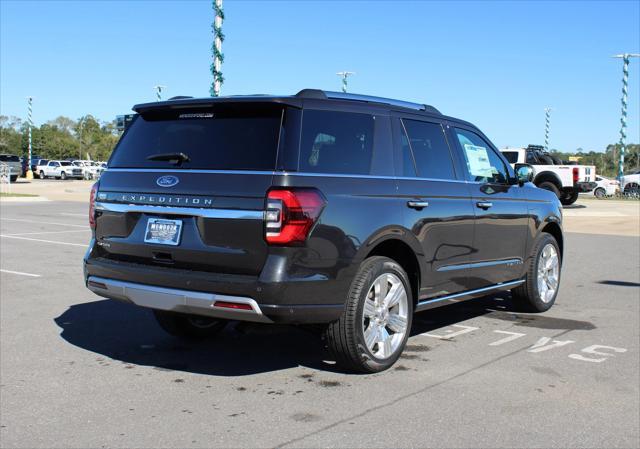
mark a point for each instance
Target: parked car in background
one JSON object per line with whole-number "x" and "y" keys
{"x": 564, "y": 180}
{"x": 59, "y": 170}
{"x": 35, "y": 161}
{"x": 347, "y": 212}
{"x": 14, "y": 164}
{"x": 91, "y": 170}
{"x": 605, "y": 187}
{"x": 631, "y": 183}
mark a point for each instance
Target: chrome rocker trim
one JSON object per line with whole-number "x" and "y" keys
{"x": 427, "y": 304}
{"x": 184, "y": 301}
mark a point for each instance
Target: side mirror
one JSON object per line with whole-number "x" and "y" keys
{"x": 524, "y": 173}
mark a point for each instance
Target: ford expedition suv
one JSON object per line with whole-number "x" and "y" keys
{"x": 345, "y": 211}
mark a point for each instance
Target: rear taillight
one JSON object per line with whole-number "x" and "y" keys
{"x": 92, "y": 206}
{"x": 576, "y": 174}
{"x": 291, "y": 214}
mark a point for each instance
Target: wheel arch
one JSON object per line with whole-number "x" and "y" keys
{"x": 553, "y": 228}
{"x": 548, "y": 177}
{"x": 401, "y": 252}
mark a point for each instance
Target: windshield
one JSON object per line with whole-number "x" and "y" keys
{"x": 231, "y": 137}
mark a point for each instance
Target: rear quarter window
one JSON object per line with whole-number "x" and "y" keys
{"x": 510, "y": 156}
{"x": 336, "y": 142}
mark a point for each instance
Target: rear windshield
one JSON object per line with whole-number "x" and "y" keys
{"x": 231, "y": 137}
{"x": 9, "y": 158}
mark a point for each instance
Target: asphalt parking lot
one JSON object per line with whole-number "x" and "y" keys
{"x": 80, "y": 371}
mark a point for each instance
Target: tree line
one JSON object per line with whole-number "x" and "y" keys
{"x": 606, "y": 162}
{"x": 60, "y": 138}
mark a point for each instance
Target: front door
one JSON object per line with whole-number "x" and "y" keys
{"x": 500, "y": 235}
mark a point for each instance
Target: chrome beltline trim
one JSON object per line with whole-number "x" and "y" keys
{"x": 471, "y": 292}
{"x": 491, "y": 263}
{"x": 169, "y": 210}
{"x": 278, "y": 173}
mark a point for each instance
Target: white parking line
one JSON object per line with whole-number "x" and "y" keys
{"x": 45, "y": 222}
{"x": 83, "y": 245}
{"x": 20, "y": 273}
{"x": 47, "y": 232}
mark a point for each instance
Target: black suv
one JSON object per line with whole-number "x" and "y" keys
{"x": 344, "y": 210}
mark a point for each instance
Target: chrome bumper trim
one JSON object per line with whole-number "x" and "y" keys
{"x": 184, "y": 301}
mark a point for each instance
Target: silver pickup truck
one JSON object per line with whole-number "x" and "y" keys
{"x": 15, "y": 166}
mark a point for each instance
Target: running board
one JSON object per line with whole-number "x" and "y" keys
{"x": 463, "y": 296}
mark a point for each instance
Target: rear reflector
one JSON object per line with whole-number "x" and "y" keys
{"x": 97, "y": 285}
{"x": 232, "y": 305}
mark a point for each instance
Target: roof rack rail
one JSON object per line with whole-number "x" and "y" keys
{"x": 180, "y": 97}
{"x": 324, "y": 95}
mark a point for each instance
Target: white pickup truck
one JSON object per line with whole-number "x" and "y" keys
{"x": 59, "y": 169}
{"x": 565, "y": 180}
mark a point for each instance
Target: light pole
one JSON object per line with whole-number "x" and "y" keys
{"x": 547, "y": 116}
{"x": 623, "y": 119}
{"x": 158, "y": 89}
{"x": 344, "y": 75}
{"x": 29, "y": 173}
{"x": 216, "y": 49}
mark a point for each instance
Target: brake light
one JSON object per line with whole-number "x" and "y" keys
{"x": 92, "y": 206}
{"x": 291, "y": 214}
{"x": 576, "y": 174}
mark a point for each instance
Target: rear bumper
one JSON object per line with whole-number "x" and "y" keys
{"x": 292, "y": 301}
{"x": 585, "y": 186}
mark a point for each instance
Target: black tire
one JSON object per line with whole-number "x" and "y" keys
{"x": 569, "y": 197}
{"x": 551, "y": 187}
{"x": 13, "y": 178}
{"x": 42, "y": 176}
{"x": 63, "y": 175}
{"x": 526, "y": 296}
{"x": 345, "y": 337}
{"x": 191, "y": 327}
{"x": 632, "y": 189}
{"x": 600, "y": 192}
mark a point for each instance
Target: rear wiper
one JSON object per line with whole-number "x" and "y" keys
{"x": 174, "y": 158}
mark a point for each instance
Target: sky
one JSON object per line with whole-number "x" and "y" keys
{"x": 496, "y": 64}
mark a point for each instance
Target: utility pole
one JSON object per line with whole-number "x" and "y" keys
{"x": 344, "y": 75}
{"x": 158, "y": 89}
{"x": 623, "y": 119}
{"x": 216, "y": 49}
{"x": 29, "y": 174}
{"x": 547, "y": 115}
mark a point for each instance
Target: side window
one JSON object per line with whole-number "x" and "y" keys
{"x": 511, "y": 156}
{"x": 483, "y": 164}
{"x": 430, "y": 150}
{"x": 336, "y": 142}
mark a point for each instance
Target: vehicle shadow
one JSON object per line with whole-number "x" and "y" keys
{"x": 129, "y": 334}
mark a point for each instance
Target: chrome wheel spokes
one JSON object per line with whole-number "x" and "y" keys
{"x": 385, "y": 315}
{"x": 548, "y": 272}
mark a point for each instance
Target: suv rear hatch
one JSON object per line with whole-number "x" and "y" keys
{"x": 186, "y": 188}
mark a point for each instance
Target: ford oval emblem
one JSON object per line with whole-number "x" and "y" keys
{"x": 167, "y": 181}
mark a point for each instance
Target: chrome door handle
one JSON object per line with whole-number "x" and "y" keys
{"x": 417, "y": 204}
{"x": 484, "y": 204}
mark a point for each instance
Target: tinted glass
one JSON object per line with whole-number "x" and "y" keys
{"x": 231, "y": 137}
{"x": 483, "y": 164}
{"x": 336, "y": 142}
{"x": 430, "y": 150}
{"x": 9, "y": 158}
{"x": 65, "y": 163}
{"x": 511, "y": 156}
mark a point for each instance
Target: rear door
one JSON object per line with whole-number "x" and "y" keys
{"x": 203, "y": 211}
{"x": 500, "y": 234}
{"x": 437, "y": 208}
